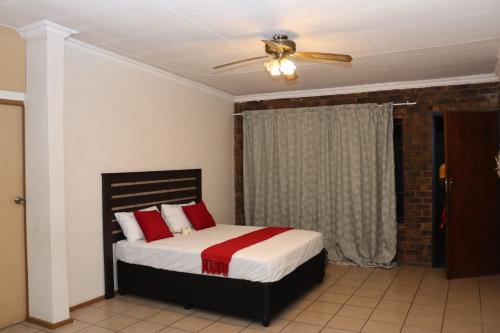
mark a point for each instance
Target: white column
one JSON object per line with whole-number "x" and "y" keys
{"x": 44, "y": 158}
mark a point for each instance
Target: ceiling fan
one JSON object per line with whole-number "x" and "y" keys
{"x": 280, "y": 53}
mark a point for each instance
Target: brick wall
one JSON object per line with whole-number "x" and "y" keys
{"x": 415, "y": 234}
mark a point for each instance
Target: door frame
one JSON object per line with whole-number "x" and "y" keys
{"x": 21, "y": 104}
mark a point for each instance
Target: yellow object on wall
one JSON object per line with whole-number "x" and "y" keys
{"x": 442, "y": 171}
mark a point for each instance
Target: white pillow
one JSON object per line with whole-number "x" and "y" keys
{"x": 129, "y": 225}
{"x": 175, "y": 217}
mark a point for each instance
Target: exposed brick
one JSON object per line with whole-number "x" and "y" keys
{"x": 415, "y": 234}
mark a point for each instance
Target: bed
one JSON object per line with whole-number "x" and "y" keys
{"x": 263, "y": 278}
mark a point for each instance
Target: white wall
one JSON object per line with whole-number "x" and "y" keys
{"x": 120, "y": 117}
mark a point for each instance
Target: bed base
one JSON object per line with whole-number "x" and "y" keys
{"x": 257, "y": 300}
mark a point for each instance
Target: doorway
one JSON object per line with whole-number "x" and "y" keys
{"x": 438, "y": 193}
{"x": 13, "y": 300}
{"x": 469, "y": 190}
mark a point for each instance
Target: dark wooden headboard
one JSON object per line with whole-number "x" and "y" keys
{"x": 130, "y": 191}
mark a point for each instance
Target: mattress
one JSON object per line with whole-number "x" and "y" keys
{"x": 267, "y": 261}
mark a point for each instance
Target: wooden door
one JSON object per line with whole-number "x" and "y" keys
{"x": 12, "y": 233}
{"x": 472, "y": 199}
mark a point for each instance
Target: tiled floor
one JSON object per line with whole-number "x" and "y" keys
{"x": 407, "y": 299}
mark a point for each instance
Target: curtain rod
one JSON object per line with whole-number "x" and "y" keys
{"x": 394, "y": 104}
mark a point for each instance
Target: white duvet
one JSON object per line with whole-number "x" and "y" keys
{"x": 267, "y": 261}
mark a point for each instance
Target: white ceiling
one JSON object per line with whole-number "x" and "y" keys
{"x": 390, "y": 40}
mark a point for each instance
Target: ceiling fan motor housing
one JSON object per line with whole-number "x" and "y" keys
{"x": 287, "y": 46}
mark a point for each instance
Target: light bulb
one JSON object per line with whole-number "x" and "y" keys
{"x": 275, "y": 71}
{"x": 287, "y": 67}
{"x": 273, "y": 67}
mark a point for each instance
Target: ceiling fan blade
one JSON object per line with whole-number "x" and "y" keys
{"x": 323, "y": 56}
{"x": 240, "y": 61}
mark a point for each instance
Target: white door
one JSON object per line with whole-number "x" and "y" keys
{"x": 12, "y": 233}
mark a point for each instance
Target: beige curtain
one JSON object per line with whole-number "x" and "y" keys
{"x": 329, "y": 169}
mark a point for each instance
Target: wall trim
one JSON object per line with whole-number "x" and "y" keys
{"x": 480, "y": 78}
{"x": 12, "y": 95}
{"x": 86, "y": 303}
{"x": 47, "y": 324}
{"x": 497, "y": 67}
{"x": 34, "y": 29}
{"x": 151, "y": 69}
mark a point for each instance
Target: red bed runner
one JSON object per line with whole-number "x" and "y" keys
{"x": 216, "y": 258}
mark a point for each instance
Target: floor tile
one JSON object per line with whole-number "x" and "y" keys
{"x": 301, "y": 304}
{"x": 143, "y": 326}
{"x": 75, "y": 326}
{"x": 334, "y": 298}
{"x": 349, "y": 282}
{"x": 372, "y": 326}
{"x": 141, "y": 312}
{"x": 388, "y": 316}
{"x": 427, "y": 310}
{"x": 192, "y": 323}
{"x": 463, "y": 315}
{"x": 251, "y": 330}
{"x": 221, "y": 328}
{"x": 18, "y": 328}
{"x": 325, "y": 307}
{"x": 114, "y": 305}
{"x": 210, "y": 315}
{"x": 165, "y": 317}
{"x": 491, "y": 328}
{"x": 460, "y": 304}
{"x": 171, "y": 330}
{"x": 375, "y": 285}
{"x": 157, "y": 304}
{"x": 355, "y": 311}
{"x": 432, "y": 323}
{"x": 80, "y": 311}
{"x": 94, "y": 316}
{"x": 95, "y": 329}
{"x": 131, "y": 299}
{"x": 386, "y": 304}
{"x": 117, "y": 322}
{"x": 338, "y": 289}
{"x": 313, "y": 318}
{"x": 455, "y": 326}
{"x": 295, "y": 327}
{"x": 364, "y": 302}
{"x": 351, "y": 299}
{"x": 370, "y": 293}
{"x": 235, "y": 320}
{"x": 290, "y": 313}
{"x": 412, "y": 329}
{"x": 179, "y": 308}
{"x": 429, "y": 300}
{"x": 312, "y": 295}
{"x": 276, "y": 326}
{"x": 334, "y": 330}
{"x": 346, "y": 323}
{"x": 398, "y": 296}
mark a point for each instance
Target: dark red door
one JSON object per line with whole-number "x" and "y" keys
{"x": 473, "y": 196}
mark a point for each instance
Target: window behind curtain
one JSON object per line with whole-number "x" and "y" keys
{"x": 398, "y": 166}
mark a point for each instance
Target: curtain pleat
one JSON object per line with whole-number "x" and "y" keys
{"x": 329, "y": 169}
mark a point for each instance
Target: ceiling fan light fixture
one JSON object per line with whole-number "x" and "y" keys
{"x": 277, "y": 67}
{"x": 287, "y": 67}
{"x": 273, "y": 67}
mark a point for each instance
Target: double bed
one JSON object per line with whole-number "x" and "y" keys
{"x": 262, "y": 278}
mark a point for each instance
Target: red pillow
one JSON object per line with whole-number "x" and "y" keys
{"x": 199, "y": 216}
{"x": 152, "y": 225}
